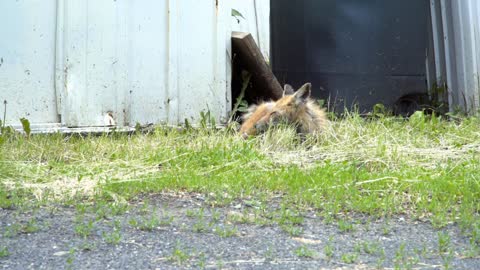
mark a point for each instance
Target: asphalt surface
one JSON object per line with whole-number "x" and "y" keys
{"x": 187, "y": 233}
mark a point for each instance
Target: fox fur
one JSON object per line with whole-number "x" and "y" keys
{"x": 295, "y": 108}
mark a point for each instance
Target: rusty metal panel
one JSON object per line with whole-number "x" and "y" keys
{"x": 27, "y": 57}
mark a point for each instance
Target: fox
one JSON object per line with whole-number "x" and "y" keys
{"x": 295, "y": 107}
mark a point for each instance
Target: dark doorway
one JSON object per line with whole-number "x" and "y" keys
{"x": 354, "y": 52}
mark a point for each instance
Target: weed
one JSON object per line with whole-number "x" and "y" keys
{"x": 202, "y": 260}
{"x": 114, "y": 237}
{"x": 305, "y": 252}
{"x": 70, "y": 258}
{"x": 443, "y": 242}
{"x": 288, "y": 216}
{"x": 200, "y": 227}
{"x": 349, "y": 257}
{"x": 370, "y": 247}
{"x": 225, "y": 231}
{"x": 329, "y": 250}
{"x": 215, "y": 216}
{"x": 380, "y": 260}
{"x": 403, "y": 260}
{"x": 292, "y": 230}
{"x": 83, "y": 229}
{"x": 345, "y": 226}
{"x": 31, "y": 226}
{"x": 145, "y": 224}
{"x": 4, "y": 252}
{"x": 270, "y": 253}
{"x": 179, "y": 255}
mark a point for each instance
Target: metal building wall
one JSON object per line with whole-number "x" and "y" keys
{"x": 256, "y": 21}
{"x": 455, "y": 50}
{"x": 145, "y": 61}
{"x": 27, "y": 60}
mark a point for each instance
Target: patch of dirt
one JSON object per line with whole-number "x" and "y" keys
{"x": 184, "y": 232}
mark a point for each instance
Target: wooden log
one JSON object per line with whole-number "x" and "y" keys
{"x": 248, "y": 56}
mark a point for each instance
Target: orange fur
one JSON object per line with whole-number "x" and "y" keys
{"x": 256, "y": 114}
{"x": 297, "y": 109}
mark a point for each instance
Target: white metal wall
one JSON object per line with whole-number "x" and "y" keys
{"x": 256, "y": 21}
{"x": 27, "y": 60}
{"x": 456, "y": 51}
{"x": 151, "y": 61}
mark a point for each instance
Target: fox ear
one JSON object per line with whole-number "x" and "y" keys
{"x": 288, "y": 89}
{"x": 303, "y": 93}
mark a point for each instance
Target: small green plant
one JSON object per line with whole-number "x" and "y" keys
{"x": 370, "y": 247}
{"x": 380, "y": 260}
{"x": 200, "y": 227}
{"x": 12, "y": 230}
{"x": 70, "y": 258}
{"x": 179, "y": 255}
{"x": 447, "y": 259}
{"x": 225, "y": 231}
{"x": 4, "y": 252}
{"x": 443, "y": 242}
{"x": 345, "y": 226}
{"x": 31, "y": 226}
{"x": 305, "y": 252}
{"x": 202, "y": 260}
{"x": 349, "y": 258}
{"x": 237, "y": 15}
{"x": 200, "y": 213}
{"x": 292, "y": 230}
{"x": 241, "y": 105}
{"x": 269, "y": 254}
{"x": 402, "y": 260}
{"x": 83, "y": 229}
{"x": 207, "y": 120}
{"x": 329, "y": 250}
{"x": 26, "y": 126}
{"x": 146, "y": 223}
{"x": 288, "y": 216}
{"x": 114, "y": 237}
{"x": 215, "y": 216}
{"x": 386, "y": 229}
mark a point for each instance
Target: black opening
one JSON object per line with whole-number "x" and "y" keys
{"x": 355, "y": 53}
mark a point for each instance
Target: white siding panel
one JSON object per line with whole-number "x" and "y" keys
{"x": 27, "y": 60}
{"x": 457, "y": 50}
{"x": 163, "y": 63}
{"x": 150, "y": 61}
{"x": 256, "y": 22}
{"x": 201, "y": 77}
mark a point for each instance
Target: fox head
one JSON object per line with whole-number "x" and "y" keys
{"x": 291, "y": 104}
{"x": 287, "y": 107}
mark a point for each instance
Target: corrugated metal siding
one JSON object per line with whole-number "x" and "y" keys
{"x": 456, "y": 51}
{"x": 144, "y": 61}
{"x": 27, "y": 60}
{"x": 256, "y": 21}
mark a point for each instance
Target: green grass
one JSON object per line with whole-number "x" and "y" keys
{"x": 425, "y": 167}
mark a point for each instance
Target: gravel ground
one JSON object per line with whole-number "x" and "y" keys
{"x": 171, "y": 233}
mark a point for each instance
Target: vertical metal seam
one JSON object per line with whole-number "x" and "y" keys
{"x": 59, "y": 47}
